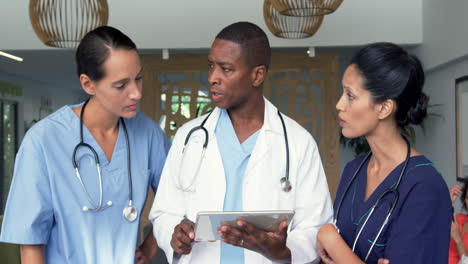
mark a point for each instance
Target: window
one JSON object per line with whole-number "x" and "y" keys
{"x": 8, "y": 147}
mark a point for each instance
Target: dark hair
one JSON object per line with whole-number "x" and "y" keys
{"x": 463, "y": 195}
{"x": 95, "y": 47}
{"x": 391, "y": 73}
{"x": 252, "y": 39}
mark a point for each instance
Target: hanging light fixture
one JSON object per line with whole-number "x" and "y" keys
{"x": 290, "y": 27}
{"x": 306, "y": 7}
{"x": 62, "y": 23}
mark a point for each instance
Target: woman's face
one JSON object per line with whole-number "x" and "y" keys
{"x": 121, "y": 88}
{"x": 357, "y": 113}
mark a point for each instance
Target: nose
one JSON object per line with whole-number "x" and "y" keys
{"x": 213, "y": 76}
{"x": 136, "y": 91}
{"x": 340, "y": 104}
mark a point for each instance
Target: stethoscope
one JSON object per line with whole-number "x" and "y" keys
{"x": 130, "y": 213}
{"x": 284, "y": 181}
{"x": 388, "y": 191}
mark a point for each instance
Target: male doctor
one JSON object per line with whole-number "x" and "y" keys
{"x": 241, "y": 170}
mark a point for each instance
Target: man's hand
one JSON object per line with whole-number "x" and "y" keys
{"x": 272, "y": 245}
{"x": 140, "y": 257}
{"x": 183, "y": 236}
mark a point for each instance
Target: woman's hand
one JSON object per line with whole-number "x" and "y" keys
{"x": 455, "y": 191}
{"x": 455, "y": 232}
{"x": 272, "y": 245}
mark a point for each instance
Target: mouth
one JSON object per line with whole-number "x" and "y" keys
{"x": 132, "y": 107}
{"x": 341, "y": 121}
{"x": 216, "y": 95}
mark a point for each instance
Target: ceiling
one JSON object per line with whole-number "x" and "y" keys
{"x": 189, "y": 26}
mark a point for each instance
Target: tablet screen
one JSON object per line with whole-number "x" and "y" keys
{"x": 207, "y": 223}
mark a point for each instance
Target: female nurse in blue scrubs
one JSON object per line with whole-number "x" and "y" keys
{"x": 63, "y": 209}
{"x": 382, "y": 94}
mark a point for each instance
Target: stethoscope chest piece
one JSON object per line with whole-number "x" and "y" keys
{"x": 130, "y": 213}
{"x": 285, "y": 184}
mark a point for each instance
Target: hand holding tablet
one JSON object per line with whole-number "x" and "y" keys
{"x": 208, "y": 223}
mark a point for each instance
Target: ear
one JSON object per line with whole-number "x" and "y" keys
{"x": 386, "y": 109}
{"x": 258, "y": 75}
{"x": 87, "y": 84}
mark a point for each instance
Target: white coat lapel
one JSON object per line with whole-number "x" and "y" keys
{"x": 263, "y": 145}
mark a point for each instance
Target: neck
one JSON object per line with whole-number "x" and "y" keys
{"x": 251, "y": 112}
{"x": 387, "y": 145}
{"x": 96, "y": 118}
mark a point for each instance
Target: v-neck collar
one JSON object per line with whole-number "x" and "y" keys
{"x": 225, "y": 124}
{"x": 361, "y": 207}
{"x": 89, "y": 139}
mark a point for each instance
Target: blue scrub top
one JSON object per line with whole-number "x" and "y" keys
{"x": 235, "y": 158}
{"x": 419, "y": 228}
{"x": 46, "y": 199}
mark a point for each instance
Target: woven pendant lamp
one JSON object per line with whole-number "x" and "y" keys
{"x": 62, "y": 23}
{"x": 306, "y": 7}
{"x": 290, "y": 27}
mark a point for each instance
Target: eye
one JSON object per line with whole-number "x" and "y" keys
{"x": 139, "y": 78}
{"x": 350, "y": 96}
{"x": 210, "y": 65}
{"x": 121, "y": 86}
{"x": 226, "y": 69}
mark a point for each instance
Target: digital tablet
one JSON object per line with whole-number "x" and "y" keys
{"x": 207, "y": 223}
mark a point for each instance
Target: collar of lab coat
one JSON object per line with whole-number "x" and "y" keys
{"x": 271, "y": 121}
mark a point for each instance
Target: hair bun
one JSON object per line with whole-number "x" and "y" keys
{"x": 418, "y": 111}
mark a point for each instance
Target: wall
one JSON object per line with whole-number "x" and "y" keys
{"x": 438, "y": 141}
{"x": 156, "y": 24}
{"x": 29, "y": 103}
{"x": 445, "y": 34}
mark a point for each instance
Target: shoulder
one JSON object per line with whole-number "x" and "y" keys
{"x": 185, "y": 128}
{"x": 422, "y": 178}
{"x": 421, "y": 170}
{"x": 54, "y": 123}
{"x": 299, "y": 137}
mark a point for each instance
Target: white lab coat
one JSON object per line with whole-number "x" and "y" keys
{"x": 309, "y": 197}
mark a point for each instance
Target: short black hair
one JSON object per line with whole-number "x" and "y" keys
{"x": 95, "y": 47}
{"x": 390, "y": 72}
{"x": 252, "y": 39}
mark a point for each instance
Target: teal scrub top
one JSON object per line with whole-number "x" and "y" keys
{"x": 45, "y": 202}
{"x": 235, "y": 157}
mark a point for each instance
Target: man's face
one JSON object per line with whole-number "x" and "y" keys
{"x": 230, "y": 76}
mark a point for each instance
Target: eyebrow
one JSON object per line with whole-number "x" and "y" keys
{"x": 126, "y": 79}
{"x": 221, "y": 63}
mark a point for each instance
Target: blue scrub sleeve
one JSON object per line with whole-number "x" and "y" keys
{"x": 158, "y": 152}
{"x": 29, "y": 216}
{"x": 421, "y": 232}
